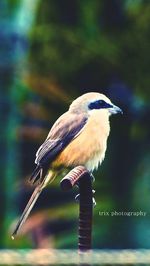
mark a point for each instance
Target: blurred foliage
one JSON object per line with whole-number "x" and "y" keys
{"x": 51, "y": 52}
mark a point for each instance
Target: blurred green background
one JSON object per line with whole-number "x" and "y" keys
{"x": 50, "y": 53}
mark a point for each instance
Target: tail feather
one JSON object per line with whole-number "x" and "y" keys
{"x": 36, "y": 193}
{"x": 34, "y": 177}
{"x": 27, "y": 209}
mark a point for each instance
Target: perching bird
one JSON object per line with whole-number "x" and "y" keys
{"x": 78, "y": 137}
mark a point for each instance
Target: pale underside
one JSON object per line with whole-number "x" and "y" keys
{"x": 89, "y": 147}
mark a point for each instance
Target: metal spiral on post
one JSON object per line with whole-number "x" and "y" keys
{"x": 80, "y": 175}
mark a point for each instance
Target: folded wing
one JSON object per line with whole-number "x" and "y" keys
{"x": 65, "y": 129}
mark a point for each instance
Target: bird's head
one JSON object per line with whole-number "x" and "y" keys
{"x": 93, "y": 101}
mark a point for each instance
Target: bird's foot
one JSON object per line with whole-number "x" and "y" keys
{"x": 77, "y": 198}
{"x": 92, "y": 177}
{"x": 94, "y": 202}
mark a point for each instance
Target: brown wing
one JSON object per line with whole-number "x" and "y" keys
{"x": 65, "y": 129}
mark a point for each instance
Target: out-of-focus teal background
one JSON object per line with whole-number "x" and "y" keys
{"x": 51, "y": 52}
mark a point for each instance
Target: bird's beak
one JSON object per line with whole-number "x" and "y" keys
{"x": 115, "y": 110}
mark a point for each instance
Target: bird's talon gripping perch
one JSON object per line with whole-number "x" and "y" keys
{"x": 77, "y": 198}
{"x": 93, "y": 199}
{"x": 92, "y": 177}
{"x": 94, "y": 202}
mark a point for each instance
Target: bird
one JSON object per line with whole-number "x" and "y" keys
{"x": 78, "y": 137}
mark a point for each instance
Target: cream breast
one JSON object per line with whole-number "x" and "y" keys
{"x": 89, "y": 147}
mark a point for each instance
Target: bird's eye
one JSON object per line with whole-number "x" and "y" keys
{"x": 99, "y": 104}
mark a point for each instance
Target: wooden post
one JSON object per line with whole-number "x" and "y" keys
{"x": 81, "y": 177}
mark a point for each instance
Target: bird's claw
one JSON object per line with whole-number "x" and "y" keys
{"x": 94, "y": 202}
{"x": 92, "y": 177}
{"x": 77, "y": 199}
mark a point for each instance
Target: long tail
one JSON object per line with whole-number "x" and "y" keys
{"x": 36, "y": 193}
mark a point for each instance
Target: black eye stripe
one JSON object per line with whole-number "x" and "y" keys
{"x": 99, "y": 104}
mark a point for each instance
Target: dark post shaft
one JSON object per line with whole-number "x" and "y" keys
{"x": 85, "y": 212}
{"x": 79, "y": 175}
